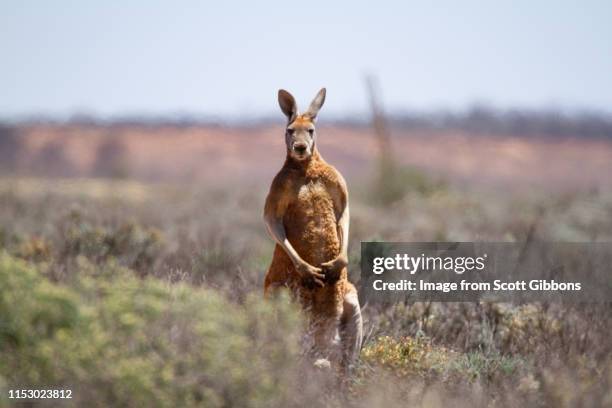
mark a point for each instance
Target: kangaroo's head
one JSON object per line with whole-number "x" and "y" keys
{"x": 300, "y": 133}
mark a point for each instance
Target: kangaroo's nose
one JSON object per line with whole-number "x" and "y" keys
{"x": 300, "y": 148}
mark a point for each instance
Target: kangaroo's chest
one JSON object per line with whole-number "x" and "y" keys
{"x": 313, "y": 200}
{"x": 311, "y": 222}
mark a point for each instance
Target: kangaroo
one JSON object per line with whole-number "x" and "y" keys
{"x": 307, "y": 214}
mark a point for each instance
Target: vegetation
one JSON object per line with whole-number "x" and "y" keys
{"x": 115, "y": 339}
{"x": 133, "y": 304}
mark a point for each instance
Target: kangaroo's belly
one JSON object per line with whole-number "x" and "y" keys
{"x": 311, "y": 225}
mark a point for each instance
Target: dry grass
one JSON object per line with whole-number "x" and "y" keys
{"x": 80, "y": 237}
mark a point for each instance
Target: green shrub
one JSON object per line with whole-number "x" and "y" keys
{"x": 118, "y": 340}
{"x": 394, "y": 181}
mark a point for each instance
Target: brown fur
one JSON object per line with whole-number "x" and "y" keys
{"x": 307, "y": 214}
{"x": 309, "y": 197}
{"x": 302, "y": 121}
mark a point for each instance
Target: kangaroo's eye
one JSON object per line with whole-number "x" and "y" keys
{"x": 311, "y": 131}
{"x": 290, "y": 131}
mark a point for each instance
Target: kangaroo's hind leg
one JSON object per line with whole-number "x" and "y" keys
{"x": 351, "y": 328}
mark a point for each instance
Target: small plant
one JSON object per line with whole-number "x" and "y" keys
{"x": 394, "y": 181}
{"x": 407, "y": 356}
{"x": 35, "y": 249}
{"x": 133, "y": 245}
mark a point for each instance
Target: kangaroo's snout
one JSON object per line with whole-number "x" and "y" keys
{"x": 300, "y": 148}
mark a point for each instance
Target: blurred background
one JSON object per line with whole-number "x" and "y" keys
{"x": 138, "y": 141}
{"x": 502, "y": 94}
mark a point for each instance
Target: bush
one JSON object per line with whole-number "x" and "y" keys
{"x": 134, "y": 245}
{"x": 119, "y": 340}
{"x": 11, "y": 149}
{"x": 393, "y": 182}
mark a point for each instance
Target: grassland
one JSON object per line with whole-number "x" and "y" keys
{"x": 139, "y": 294}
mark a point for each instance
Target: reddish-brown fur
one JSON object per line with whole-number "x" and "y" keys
{"x": 309, "y": 197}
{"x": 307, "y": 214}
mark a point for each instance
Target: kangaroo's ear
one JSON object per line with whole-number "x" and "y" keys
{"x": 287, "y": 104}
{"x": 316, "y": 104}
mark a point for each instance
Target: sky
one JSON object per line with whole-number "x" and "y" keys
{"x": 228, "y": 59}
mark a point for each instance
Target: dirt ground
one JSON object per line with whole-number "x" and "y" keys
{"x": 254, "y": 154}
